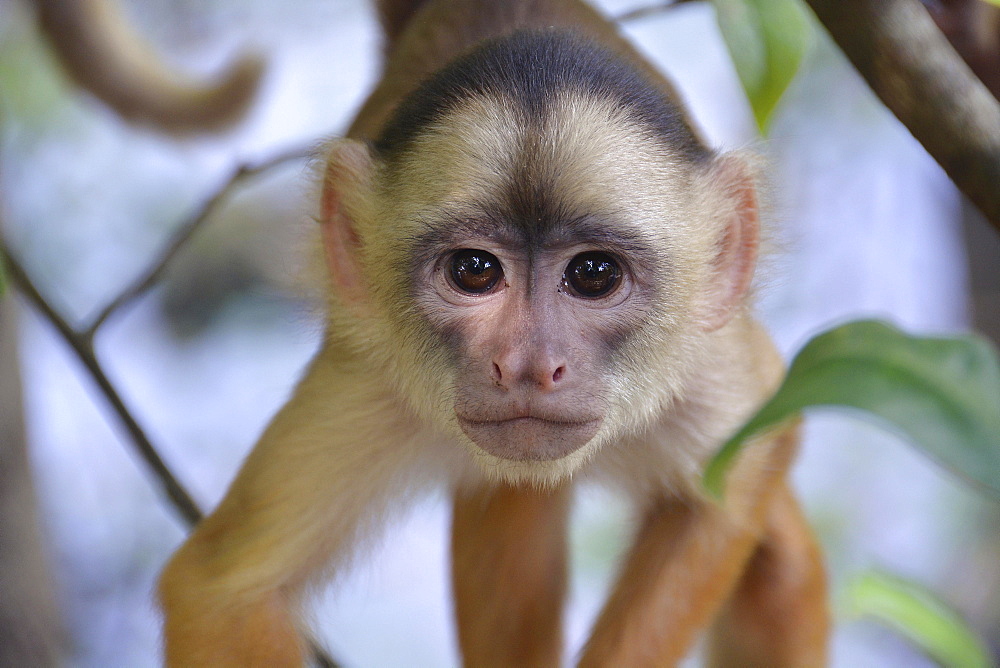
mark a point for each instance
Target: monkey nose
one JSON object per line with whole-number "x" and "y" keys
{"x": 541, "y": 373}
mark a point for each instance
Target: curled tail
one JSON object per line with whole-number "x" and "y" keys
{"x": 104, "y": 55}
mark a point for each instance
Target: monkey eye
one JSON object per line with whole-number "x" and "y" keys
{"x": 592, "y": 274}
{"x": 475, "y": 271}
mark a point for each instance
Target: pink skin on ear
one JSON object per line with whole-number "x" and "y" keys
{"x": 346, "y": 175}
{"x": 736, "y": 251}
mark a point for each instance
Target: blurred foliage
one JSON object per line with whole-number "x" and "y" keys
{"x": 919, "y": 616}
{"x": 942, "y": 393}
{"x": 767, "y": 40}
{"x": 34, "y": 88}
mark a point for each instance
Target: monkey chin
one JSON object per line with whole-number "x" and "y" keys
{"x": 531, "y": 450}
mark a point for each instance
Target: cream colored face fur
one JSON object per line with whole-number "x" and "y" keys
{"x": 602, "y": 165}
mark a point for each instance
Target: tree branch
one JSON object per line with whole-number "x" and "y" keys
{"x": 916, "y": 73}
{"x": 187, "y": 229}
{"x": 83, "y": 347}
{"x": 82, "y": 342}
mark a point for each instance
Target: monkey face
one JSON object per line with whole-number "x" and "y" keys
{"x": 543, "y": 289}
{"x": 537, "y": 265}
{"x": 533, "y": 334}
{"x": 531, "y": 382}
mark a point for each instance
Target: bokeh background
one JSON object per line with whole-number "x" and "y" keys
{"x": 864, "y": 224}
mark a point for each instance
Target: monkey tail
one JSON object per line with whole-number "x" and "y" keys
{"x": 102, "y": 53}
{"x": 394, "y": 15}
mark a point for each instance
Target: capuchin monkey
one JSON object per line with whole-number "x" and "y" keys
{"x": 538, "y": 274}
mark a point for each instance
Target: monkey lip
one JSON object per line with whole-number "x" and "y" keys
{"x": 529, "y": 437}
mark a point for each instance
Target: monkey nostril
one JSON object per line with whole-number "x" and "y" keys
{"x": 497, "y": 374}
{"x": 557, "y": 376}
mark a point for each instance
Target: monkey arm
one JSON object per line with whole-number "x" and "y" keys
{"x": 330, "y": 462}
{"x": 778, "y": 615}
{"x": 681, "y": 566}
{"x": 509, "y": 574}
{"x": 685, "y": 561}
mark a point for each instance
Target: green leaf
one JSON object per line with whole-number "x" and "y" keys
{"x": 943, "y": 394}
{"x": 994, "y": 2}
{"x": 767, "y": 40}
{"x": 921, "y": 617}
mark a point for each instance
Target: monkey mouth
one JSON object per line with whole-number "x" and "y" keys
{"x": 529, "y": 437}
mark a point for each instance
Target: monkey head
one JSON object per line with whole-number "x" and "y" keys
{"x": 534, "y": 254}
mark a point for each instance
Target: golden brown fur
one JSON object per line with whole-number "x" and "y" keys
{"x": 376, "y": 417}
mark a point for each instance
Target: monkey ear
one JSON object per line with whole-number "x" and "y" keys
{"x": 345, "y": 186}
{"x": 735, "y": 250}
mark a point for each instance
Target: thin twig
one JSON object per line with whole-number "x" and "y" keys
{"x": 187, "y": 229}
{"x": 82, "y": 342}
{"x": 649, "y": 10}
{"x": 83, "y": 347}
